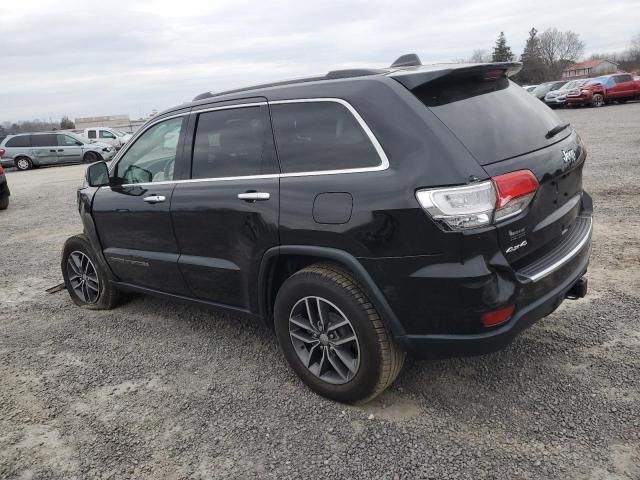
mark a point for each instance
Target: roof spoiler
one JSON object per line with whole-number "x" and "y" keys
{"x": 407, "y": 60}
{"x": 489, "y": 71}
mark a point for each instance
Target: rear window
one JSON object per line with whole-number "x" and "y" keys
{"x": 495, "y": 120}
{"x": 320, "y": 136}
{"x": 19, "y": 141}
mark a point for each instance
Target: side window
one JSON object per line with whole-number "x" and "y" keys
{"x": 623, "y": 78}
{"x": 317, "y": 136}
{"x": 91, "y": 134}
{"x": 106, "y": 134}
{"x": 44, "y": 140}
{"x": 152, "y": 157}
{"x": 232, "y": 143}
{"x": 67, "y": 141}
{"x": 19, "y": 141}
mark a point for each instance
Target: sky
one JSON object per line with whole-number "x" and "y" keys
{"x": 89, "y": 58}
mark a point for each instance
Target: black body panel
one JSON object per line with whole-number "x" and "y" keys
{"x": 431, "y": 286}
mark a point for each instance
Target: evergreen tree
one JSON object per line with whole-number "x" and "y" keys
{"x": 533, "y": 69}
{"x": 66, "y": 124}
{"x": 502, "y": 52}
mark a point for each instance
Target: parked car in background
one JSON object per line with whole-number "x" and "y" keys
{"x": 112, "y": 136}
{"x": 558, "y": 98}
{"x": 31, "y": 150}
{"x": 4, "y": 190}
{"x": 352, "y": 248}
{"x": 530, "y": 88}
{"x": 541, "y": 90}
{"x": 618, "y": 87}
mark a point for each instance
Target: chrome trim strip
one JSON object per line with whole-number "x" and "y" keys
{"x": 574, "y": 251}
{"x": 384, "y": 161}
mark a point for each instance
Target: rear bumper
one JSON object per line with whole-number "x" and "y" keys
{"x": 440, "y": 305}
{"x": 443, "y": 346}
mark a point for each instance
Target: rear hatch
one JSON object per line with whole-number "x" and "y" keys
{"x": 506, "y": 129}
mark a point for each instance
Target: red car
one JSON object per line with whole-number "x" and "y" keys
{"x": 596, "y": 92}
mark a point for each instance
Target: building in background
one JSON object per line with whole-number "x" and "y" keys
{"x": 590, "y": 69}
{"x": 120, "y": 122}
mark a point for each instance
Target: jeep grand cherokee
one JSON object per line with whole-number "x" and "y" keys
{"x": 363, "y": 214}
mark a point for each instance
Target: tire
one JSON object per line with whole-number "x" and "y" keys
{"x": 4, "y": 202}
{"x": 374, "y": 358}
{"x": 23, "y": 163}
{"x": 97, "y": 293}
{"x": 90, "y": 157}
{"x": 597, "y": 100}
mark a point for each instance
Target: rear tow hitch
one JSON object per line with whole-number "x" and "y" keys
{"x": 578, "y": 290}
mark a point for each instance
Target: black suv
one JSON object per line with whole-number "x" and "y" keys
{"x": 435, "y": 210}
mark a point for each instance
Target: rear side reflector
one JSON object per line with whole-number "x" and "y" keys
{"x": 479, "y": 204}
{"x": 496, "y": 317}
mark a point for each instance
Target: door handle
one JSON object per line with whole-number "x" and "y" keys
{"x": 61, "y": 149}
{"x": 254, "y": 196}
{"x": 155, "y": 199}
{"x": 52, "y": 151}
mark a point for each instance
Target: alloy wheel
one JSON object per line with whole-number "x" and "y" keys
{"x": 324, "y": 340}
{"x": 83, "y": 277}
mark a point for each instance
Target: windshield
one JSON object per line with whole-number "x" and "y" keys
{"x": 494, "y": 120}
{"x": 597, "y": 80}
{"x": 543, "y": 88}
{"x": 556, "y": 86}
{"x": 80, "y": 138}
{"x": 119, "y": 133}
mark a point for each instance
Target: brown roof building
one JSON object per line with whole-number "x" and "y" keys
{"x": 592, "y": 68}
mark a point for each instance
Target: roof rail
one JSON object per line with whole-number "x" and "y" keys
{"x": 353, "y": 72}
{"x": 408, "y": 60}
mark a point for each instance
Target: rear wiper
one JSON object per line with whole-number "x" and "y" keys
{"x": 556, "y": 130}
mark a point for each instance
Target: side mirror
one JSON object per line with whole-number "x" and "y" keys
{"x": 97, "y": 175}
{"x": 79, "y": 144}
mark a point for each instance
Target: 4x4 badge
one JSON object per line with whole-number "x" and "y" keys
{"x": 513, "y": 248}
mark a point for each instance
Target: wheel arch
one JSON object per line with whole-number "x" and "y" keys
{"x": 279, "y": 263}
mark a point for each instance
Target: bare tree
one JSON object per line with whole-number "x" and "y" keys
{"x": 559, "y": 49}
{"x": 479, "y": 56}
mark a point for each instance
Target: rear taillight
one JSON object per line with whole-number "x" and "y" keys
{"x": 515, "y": 191}
{"x": 480, "y": 204}
{"x": 2, "y": 150}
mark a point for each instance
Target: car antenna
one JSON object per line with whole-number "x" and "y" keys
{"x": 407, "y": 60}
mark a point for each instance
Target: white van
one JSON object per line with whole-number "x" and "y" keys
{"x": 108, "y": 135}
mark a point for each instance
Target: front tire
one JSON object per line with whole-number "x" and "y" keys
{"x": 91, "y": 157}
{"x": 87, "y": 283}
{"x": 4, "y": 202}
{"x": 23, "y": 163}
{"x": 597, "y": 100}
{"x": 333, "y": 337}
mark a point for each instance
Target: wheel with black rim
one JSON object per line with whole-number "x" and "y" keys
{"x": 23, "y": 163}
{"x": 597, "y": 100}
{"x": 90, "y": 157}
{"x": 333, "y": 337}
{"x": 86, "y": 281}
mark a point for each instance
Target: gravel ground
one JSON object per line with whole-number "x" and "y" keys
{"x": 155, "y": 389}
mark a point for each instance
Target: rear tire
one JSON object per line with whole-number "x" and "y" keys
{"x": 346, "y": 355}
{"x": 23, "y": 163}
{"x": 4, "y": 202}
{"x": 87, "y": 283}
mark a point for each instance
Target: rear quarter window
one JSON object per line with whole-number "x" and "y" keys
{"x": 19, "y": 141}
{"x": 320, "y": 136}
